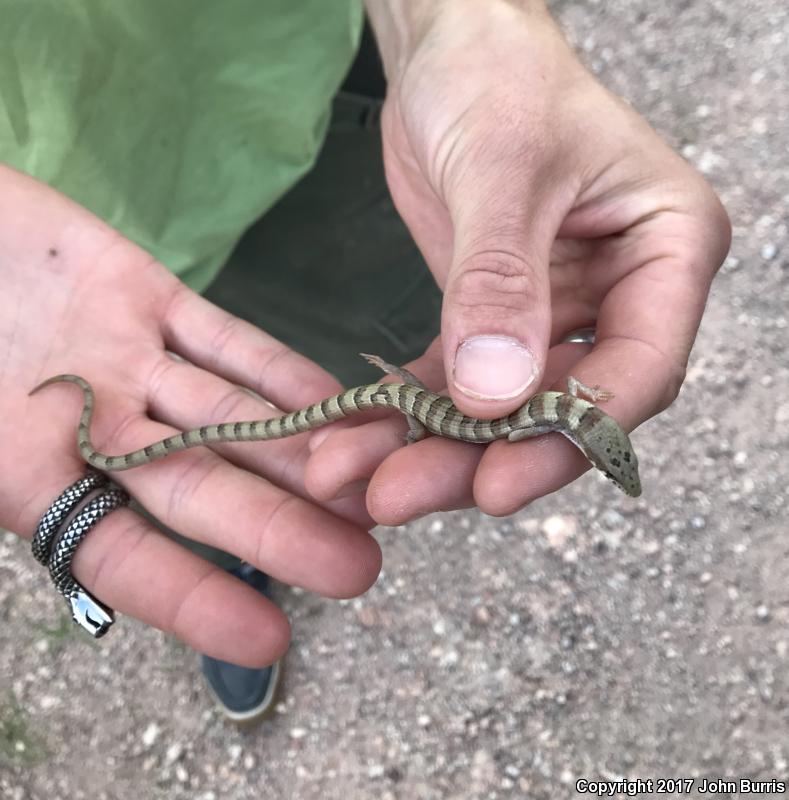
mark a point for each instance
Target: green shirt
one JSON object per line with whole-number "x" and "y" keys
{"x": 179, "y": 122}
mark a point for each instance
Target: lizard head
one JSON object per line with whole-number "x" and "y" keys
{"x": 608, "y": 447}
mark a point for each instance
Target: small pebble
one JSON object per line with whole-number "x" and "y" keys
{"x": 480, "y": 616}
{"x": 174, "y": 752}
{"x": 768, "y": 251}
{"x": 151, "y": 734}
{"x": 559, "y": 529}
{"x": 782, "y": 413}
{"x": 234, "y": 751}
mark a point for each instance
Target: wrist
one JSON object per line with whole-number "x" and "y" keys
{"x": 401, "y": 25}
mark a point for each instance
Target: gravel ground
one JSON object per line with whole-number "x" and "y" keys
{"x": 588, "y": 636}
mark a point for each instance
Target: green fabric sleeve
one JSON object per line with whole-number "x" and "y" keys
{"x": 179, "y": 122}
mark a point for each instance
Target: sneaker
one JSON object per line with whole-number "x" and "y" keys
{"x": 245, "y": 695}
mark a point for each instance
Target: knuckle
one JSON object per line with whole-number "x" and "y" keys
{"x": 225, "y": 337}
{"x": 125, "y": 429}
{"x": 271, "y": 364}
{"x": 675, "y": 377}
{"x": 720, "y": 218}
{"x": 672, "y": 370}
{"x": 127, "y": 535}
{"x": 195, "y": 474}
{"x": 712, "y": 225}
{"x": 495, "y": 278}
{"x": 666, "y": 367}
{"x": 229, "y": 403}
{"x": 721, "y": 227}
{"x": 271, "y": 522}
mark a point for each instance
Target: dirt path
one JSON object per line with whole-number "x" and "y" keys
{"x": 588, "y": 636}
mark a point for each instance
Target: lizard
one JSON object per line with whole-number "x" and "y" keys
{"x": 599, "y": 436}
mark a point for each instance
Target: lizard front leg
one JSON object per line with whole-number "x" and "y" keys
{"x": 416, "y": 430}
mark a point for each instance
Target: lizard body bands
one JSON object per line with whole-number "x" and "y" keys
{"x": 601, "y": 439}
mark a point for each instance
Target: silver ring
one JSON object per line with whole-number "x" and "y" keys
{"x": 54, "y": 516}
{"x": 88, "y": 612}
{"x": 582, "y": 336}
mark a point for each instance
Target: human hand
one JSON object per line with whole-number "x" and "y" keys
{"x": 542, "y": 204}
{"x": 79, "y": 298}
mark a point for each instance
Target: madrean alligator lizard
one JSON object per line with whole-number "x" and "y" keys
{"x": 600, "y": 437}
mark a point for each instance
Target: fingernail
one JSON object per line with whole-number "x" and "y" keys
{"x": 354, "y": 487}
{"x": 493, "y": 367}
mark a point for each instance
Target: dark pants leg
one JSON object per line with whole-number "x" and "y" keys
{"x": 331, "y": 270}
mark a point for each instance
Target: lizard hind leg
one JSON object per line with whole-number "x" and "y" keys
{"x": 390, "y": 369}
{"x": 416, "y": 430}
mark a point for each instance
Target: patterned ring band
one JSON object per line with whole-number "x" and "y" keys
{"x": 86, "y": 610}
{"x": 55, "y": 515}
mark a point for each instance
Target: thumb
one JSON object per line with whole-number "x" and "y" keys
{"x": 496, "y": 317}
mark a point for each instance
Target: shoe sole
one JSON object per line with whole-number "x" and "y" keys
{"x": 264, "y": 709}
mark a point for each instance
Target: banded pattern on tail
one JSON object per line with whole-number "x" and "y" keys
{"x": 597, "y": 435}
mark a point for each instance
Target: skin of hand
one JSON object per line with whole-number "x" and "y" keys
{"x": 542, "y": 203}
{"x": 79, "y": 298}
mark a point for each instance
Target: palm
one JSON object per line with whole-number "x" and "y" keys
{"x": 79, "y": 298}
